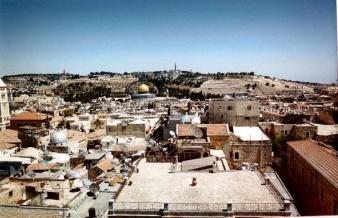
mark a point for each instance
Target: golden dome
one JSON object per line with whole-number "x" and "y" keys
{"x": 143, "y": 89}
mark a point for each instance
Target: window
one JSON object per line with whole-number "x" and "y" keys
{"x": 3, "y": 96}
{"x": 247, "y": 118}
{"x": 307, "y": 134}
{"x": 285, "y": 132}
{"x": 322, "y": 195}
{"x": 312, "y": 184}
{"x": 229, "y": 108}
{"x": 237, "y": 155}
{"x": 249, "y": 107}
{"x": 221, "y": 116}
{"x": 10, "y": 194}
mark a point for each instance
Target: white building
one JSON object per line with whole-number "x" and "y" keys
{"x": 82, "y": 126}
{"x": 4, "y": 106}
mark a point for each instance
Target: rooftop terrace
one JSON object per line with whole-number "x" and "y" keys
{"x": 154, "y": 183}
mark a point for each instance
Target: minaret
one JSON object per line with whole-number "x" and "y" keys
{"x": 4, "y": 106}
{"x": 175, "y": 68}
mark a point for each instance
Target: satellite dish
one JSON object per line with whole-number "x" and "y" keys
{"x": 196, "y": 132}
{"x": 172, "y": 133}
{"x": 86, "y": 183}
{"x": 152, "y": 142}
{"x": 31, "y": 174}
{"x": 94, "y": 187}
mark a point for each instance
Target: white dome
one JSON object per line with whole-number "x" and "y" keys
{"x": 59, "y": 136}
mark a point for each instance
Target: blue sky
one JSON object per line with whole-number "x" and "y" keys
{"x": 292, "y": 39}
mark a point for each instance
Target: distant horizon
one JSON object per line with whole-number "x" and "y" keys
{"x": 203, "y": 73}
{"x": 290, "y": 39}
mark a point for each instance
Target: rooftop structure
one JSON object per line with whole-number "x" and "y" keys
{"x": 319, "y": 158}
{"x": 154, "y": 183}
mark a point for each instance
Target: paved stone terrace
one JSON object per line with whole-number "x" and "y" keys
{"x": 154, "y": 183}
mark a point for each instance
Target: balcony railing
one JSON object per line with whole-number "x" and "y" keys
{"x": 136, "y": 206}
{"x": 196, "y": 207}
{"x": 263, "y": 207}
{"x": 212, "y": 207}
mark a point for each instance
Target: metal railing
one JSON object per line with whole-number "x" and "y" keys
{"x": 78, "y": 203}
{"x": 214, "y": 207}
{"x": 102, "y": 212}
{"x": 196, "y": 207}
{"x": 138, "y": 206}
{"x": 264, "y": 207}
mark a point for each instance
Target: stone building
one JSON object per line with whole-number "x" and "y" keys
{"x": 280, "y": 133}
{"x": 30, "y": 119}
{"x": 195, "y": 140}
{"x": 32, "y": 136}
{"x": 135, "y": 128}
{"x": 4, "y": 106}
{"x": 300, "y": 131}
{"x": 235, "y": 112}
{"x": 251, "y": 146}
{"x": 100, "y": 168}
{"x": 312, "y": 177}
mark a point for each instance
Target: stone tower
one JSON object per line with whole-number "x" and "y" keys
{"x": 4, "y": 106}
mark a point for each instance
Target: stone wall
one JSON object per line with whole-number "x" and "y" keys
{"x": 11, "y": 195}
{"x": 251, "y": 153}
{"x": 31, "y": 212}
{"x": 234, "y": 112}
{"x": 312, "y": 192}
{"x": 137, "y": 130}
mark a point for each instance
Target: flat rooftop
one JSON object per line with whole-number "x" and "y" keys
{"x": 154, "y": 183}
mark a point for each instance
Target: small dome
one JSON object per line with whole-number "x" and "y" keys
{"x": 143, "y": 89}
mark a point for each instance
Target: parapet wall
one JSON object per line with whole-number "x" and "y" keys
{"x": 10, "y": 211}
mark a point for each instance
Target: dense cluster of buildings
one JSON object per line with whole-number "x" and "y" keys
{"x": 143, "y": 155}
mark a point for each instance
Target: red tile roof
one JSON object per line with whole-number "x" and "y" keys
{"x": 217, "y": 129}
{"x": 211, "y": 129}
{"x": 105, "y": 165}
{"x": 41, "y": 166}
{"x": 325, "y": 162}
{"x": 30, "y": 116}
{"x": 184, "y": 130}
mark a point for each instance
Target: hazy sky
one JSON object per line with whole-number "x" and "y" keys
{"x": 292, "y": 39}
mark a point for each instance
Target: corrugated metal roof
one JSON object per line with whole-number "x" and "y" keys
{"x": 325, "y": 162}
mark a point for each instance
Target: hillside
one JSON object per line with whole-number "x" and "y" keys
{"x": 254, "y": 84}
